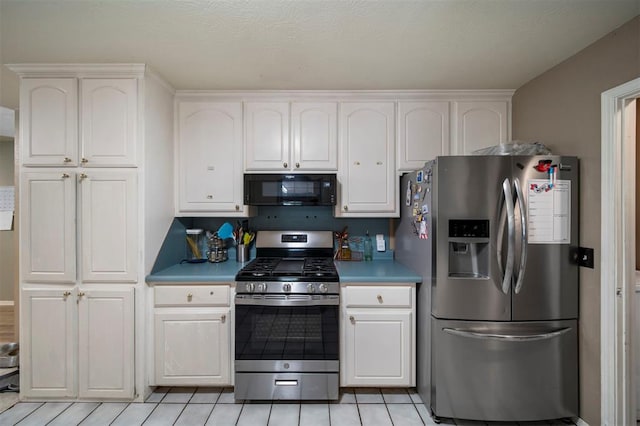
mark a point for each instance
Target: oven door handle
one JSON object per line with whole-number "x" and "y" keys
{"x": 284, "y": 301}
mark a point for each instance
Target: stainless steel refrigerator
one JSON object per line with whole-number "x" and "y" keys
{"x": 495, "y": 239}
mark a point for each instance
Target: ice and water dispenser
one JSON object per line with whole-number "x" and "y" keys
{"x": 469, "y": 248}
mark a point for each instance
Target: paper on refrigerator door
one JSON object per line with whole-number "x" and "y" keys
{"x": 549, "y": 211}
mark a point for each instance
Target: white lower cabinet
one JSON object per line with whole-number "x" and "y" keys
{"x": 377, "y": 336}
{"x": 192, "y": 333}
{"x": 77, "y": 343}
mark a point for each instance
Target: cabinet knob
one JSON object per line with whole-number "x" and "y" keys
{"x": 80, "y": 295}
{"x": 223, "y": 319}
{"x": 237, "y": 207}
{"x": 84, "y": 161}
{"x": 352, "y": 319}
{"x": 285, "y": 165}
{"x": 66, "y": 294}
{"x": 357, "y": 163}
{"x": 209, "y": 197}
{"x": 67, "y": 160}
{"x": 82, "y": 177}
{"x": 189, "y": 297}
{"x": 346, "y": 208}
{"x": 379, "y": 298}
{"x": 297, "y": 165}
{"x": 65, "y": 175}
{"x": 379, "y": 163}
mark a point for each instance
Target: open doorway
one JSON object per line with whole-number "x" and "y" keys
{"x": 8, "y": 250}
{"x": 618, "y": 244}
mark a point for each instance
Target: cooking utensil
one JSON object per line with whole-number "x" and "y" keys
{"x": 226, "y": 231}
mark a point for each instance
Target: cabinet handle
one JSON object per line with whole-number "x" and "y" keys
{"x": 67, "y": 160}
{"x": 379, "y": 163}
{"x": 65, "y": 175}
{"x": 297, "y": 165}
{"x": 346, "y": 208}
{"x": 82, "y": 177}
{"x": 352, "y": 319}
{"x": 189, "y": 297}
{"x": 285, "y": 165}
{"x": 80, "y": 295}
{"x": 379, "y": 298}
{"x": 209, "y": 197}
{"x": 84, "y": 161}
{"x": 357, "y": 163}
{"x": 223, "y": 319}
{"x": 237, "y": 207}
{"x": 66, "y": 294}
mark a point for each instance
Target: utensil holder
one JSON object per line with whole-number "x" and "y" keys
{"x": 242, "y": 253}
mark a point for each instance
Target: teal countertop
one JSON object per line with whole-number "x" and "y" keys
{"x": 376, "y": 272}
{"x": 350, "y": 272}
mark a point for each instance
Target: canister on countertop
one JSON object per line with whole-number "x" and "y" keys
{"x": 217, "y": 249}
{"x": 195, "y": 244}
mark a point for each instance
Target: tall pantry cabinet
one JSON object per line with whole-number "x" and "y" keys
{"x": 96, "y": 144}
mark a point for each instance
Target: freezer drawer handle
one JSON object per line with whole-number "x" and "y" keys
{"x": 505, "y": 337}
{"x": 523, "y": 224}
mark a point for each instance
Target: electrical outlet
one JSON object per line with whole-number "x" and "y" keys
{"x": 585, "y": 257}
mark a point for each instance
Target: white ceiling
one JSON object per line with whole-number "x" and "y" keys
{"x": 314, "y": 44}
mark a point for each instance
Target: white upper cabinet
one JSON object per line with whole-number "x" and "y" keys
{"x": 423, "y": 133}
{"x": 479, "y": 124}
{"x": 315, "y": 136}
{"x": 49, "y": 121}
{"x": 51, "y": 115}
{"x": 109, "y": 225}
{"x": 209, "y": 148}
{"x": 48, "y": 226}
{"x": 109, "y": 116}
{"x": 267, "y": 136}
{"x": 367, "y": 175}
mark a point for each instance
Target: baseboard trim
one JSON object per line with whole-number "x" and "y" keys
{"x": 7, "y": 303}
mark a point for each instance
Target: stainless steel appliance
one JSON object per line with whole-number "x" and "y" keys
{"x": 286, "y": 319}
{"x": 304, "y": 189}
{"x": 496, "y": 239}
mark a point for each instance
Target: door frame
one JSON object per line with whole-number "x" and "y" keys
{"x": 617, "y": 276}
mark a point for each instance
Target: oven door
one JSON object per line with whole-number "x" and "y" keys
{"x": 288, "y": 333}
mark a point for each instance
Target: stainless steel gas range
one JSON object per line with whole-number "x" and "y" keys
{"x": 286, "y": 319}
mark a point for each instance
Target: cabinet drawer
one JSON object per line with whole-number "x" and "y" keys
{"x": 206, "y": 295}
{"x": 374, "y": 296}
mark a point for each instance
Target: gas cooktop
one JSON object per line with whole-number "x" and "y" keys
{"x": 289, "y": 269}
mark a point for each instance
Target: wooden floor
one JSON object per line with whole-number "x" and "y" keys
{"x": 6, "y": 324}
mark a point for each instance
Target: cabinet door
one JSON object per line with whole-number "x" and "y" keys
{"x": 192, "y": 346}
{"x": 105, "y": 343}
{"x": 315, "y": 136}
{"x": 47, "y": 227}
{"x": 47, "y": 353}
{"x": 423, "y": 133}
{"x": 378, "y": 348}
{"x": 109, "y": 116}
{"x": 49, "y": 121}
{"x": 210, "y": 157}
{"x": 267, "y": 136}
{"x": 479, "y": 124}
{"x": 367, "y": 173}
{"x": 109, "y": 231}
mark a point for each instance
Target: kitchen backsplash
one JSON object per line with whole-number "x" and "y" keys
{"x": 272, "y": 218}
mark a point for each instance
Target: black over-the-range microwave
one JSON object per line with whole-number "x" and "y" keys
{"x": 307, "y": 189}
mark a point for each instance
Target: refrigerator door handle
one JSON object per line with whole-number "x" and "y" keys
{"x": 506, "y": 337}
{"x": 523, "y": 223}
{"x": 511, "y": 239}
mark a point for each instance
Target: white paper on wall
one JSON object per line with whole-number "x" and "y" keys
{"x": 7, "y": 206}
{"x": 549, "y": 211}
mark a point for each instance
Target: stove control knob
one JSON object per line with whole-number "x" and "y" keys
{"x": 262, "y": 287}
{"x": 323, "y": 288}
{"x": 250, "y": 287}
{"x": 286, "y": 287}
{"x": 311, "y": 288}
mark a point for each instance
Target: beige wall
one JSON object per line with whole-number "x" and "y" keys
{"x": 561, "y": 108}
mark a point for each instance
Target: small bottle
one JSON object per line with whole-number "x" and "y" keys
{"x": 368, "y": 247}
{"x": 345, "y": 251}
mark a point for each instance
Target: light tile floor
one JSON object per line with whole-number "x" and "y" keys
{"x": 217, "y": 406}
